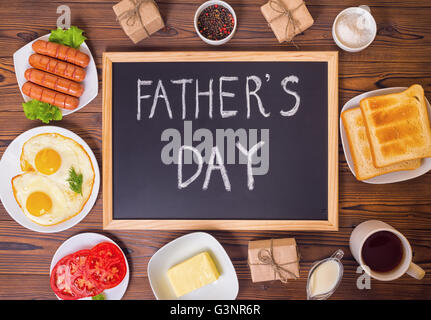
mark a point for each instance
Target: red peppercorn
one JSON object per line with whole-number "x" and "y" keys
{"x": 216, "y": 23}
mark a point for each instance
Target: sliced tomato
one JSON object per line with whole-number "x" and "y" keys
{"x": 87, "y": 273}
{"x": 69, "y": 278}
{"x": 115, "y": 273}
{"x": 110, "y": 275}
{"x": 107, "y": 251}
{"x": 78, "y": 261}
{"x": 84, "y": 286}
{"x": 106, "y": 264}
{"x": 96, "y": 267}
{"x": 60, "y": 280}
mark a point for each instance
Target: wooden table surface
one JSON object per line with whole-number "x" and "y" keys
{"x": 399, "y": 56}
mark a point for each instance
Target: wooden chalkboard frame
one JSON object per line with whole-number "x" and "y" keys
{"x": 331, "y": 224}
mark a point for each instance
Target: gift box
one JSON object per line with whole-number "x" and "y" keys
{"x": 273, "y": 259}
{"x": 287, "y": 18}
{"x": 138, "y": 18}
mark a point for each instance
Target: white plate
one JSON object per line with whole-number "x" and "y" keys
{"x": 87, "y": 241}
{"x": 224, "y": 288}
{"x": 10, "y": 167}
{"x": 91, "y": 85}
{"x": 388, "y": 177}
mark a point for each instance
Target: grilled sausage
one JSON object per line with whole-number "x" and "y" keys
{"x": 57, "y": 67}
{"x": 62, "y": 52}
{"x": 50, "y": 96}
{"x": 54, "y": 82}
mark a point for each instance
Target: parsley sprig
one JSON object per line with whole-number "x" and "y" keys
{"x": 99, "y": 297}
{"x": 75, "y": 181}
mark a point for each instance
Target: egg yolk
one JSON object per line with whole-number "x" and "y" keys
{"x": 47, "y": 161}
{"x": 38, "y": 203}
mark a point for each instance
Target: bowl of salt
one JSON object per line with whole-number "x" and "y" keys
{"x": 325, "y": 276}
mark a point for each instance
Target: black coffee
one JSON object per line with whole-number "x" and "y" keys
{"x": 382, "y": 251}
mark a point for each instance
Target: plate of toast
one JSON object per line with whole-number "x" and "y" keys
{"x": 386, "y": 134}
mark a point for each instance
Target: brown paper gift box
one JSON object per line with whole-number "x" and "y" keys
{"x": 276, "y": 14}
{"x": 142, "y": 23}
{"x": 285, "y": 254}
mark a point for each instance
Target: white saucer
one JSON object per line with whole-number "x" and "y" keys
{"x": 87, "y": 241}
{"x": 91, "y": 84}
{"x": 388, "y": 177}
{"x": 10, "y": 167}
{"x": 224, "y": 288}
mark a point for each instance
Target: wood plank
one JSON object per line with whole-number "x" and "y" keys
{"x": 354, "y": 79}
{"x": 346, "y": 3}
{"x": 402, "y": 213}
{"x": 407, "y": 26}
{"x": 15, "y": 287}
{"x": 406, "y": 200}
{"x": 26, "y": 252}
{"x": 409, "y": 195}
{"x": 36, "y": 252}
{"x": 107, "y": 141}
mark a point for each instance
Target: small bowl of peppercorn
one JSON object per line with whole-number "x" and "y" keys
{"x": 215, "y": 22}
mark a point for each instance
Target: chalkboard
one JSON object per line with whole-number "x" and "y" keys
{"x": 223, "y": 143}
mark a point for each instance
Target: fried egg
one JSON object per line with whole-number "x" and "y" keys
{"x": 47, "y": 160}
{"x": 41, "y": 199}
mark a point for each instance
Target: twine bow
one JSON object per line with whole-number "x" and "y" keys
{"x": 132, "y": 15}
{"x": 266, "y": 257}
{"x": 279, "y": 7}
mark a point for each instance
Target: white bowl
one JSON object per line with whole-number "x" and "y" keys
{"x": 224, "y": 288}
{"x": 84, "y": 241}
{"x": 10, "y": 167}
{"x": 90, "y": 83}
{"x": 390, "y": 177}
{"x": 202, "y": 8}
{"x": 363, "y": 9}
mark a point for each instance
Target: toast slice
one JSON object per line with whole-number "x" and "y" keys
{"x": 397, "y": 126}
{"x": 353, "y": 122}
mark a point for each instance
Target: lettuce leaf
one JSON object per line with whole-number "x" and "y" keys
{"x": 34, "y": 109}
{"x": 71, "y": 37}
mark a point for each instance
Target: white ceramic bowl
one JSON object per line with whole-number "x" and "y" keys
{"x": 224, "y": 288}
{"x": 362, "y": 9}
{"x": 202, "y": 8}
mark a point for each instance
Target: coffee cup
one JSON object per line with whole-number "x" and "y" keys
{"x": 354, "y": 28}
{"x": 383, "y": 252}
